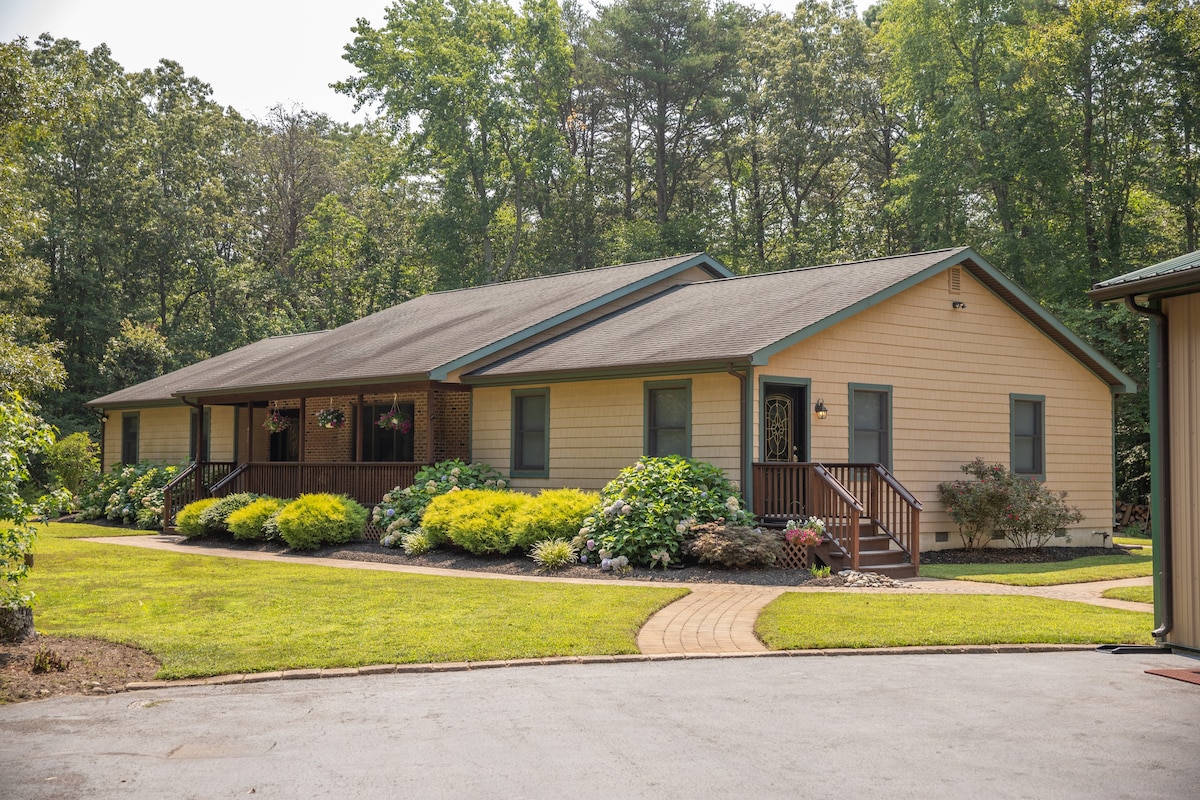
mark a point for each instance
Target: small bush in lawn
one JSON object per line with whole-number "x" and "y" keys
{"x": 187, "y": 521}
{"x": 645, "y": 513}
{"x": 551, "y": 554}
{"x": 247, "y": 522}
{"x": 214, "y": 518}
{"x": 736, "y": 546}
{"x": 479, "y": 521}
{"x": 403, "y": 507}
{"x": 416, "y": 543}
{"x": 553, "y": 514}
{"x": 313, "y": 520}
{"x": 1021, "y": 509}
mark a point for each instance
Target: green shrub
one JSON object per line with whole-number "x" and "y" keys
{"x": 402, "y": 509}
{"x": 416, "y": 543}
{"x": 645, "y": 513}
{"x": 72, "y": 460}
{"x": 247, "y": 522}
{"x": 214, "y": 518}
{"x": 1019, "y": 508}
{"x": 735, "y": 546}
{"x": 477, "y": 520}
{"x": 554, "y": 554}
{"x": 123, "y": 494}
{"x": 313, "y": 520}
{"x": 553, "y": 514}
{"x": 187, "y": 521}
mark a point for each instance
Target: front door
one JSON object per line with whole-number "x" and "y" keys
{"x": 784, "y": 415}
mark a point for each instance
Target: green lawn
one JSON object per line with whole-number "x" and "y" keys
{"x": 1078, "y": 570}
{"x": 1134, "y": 594}
{"x": 803, "y": 620}
{"x": 205, "y": 615}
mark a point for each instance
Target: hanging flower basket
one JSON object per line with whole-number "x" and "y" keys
{"x": 809, "y": 533}
{"x": 276, "y": 422}
{"x": 393, "y": 420}
{"x": 331, "y": 418}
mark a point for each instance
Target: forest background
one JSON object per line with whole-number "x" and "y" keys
{"x": 144, "y": 227}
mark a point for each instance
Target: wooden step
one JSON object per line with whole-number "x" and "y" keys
{"x": 898, "y": 571}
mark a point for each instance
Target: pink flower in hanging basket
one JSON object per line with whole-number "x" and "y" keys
{"x": 393, "y": 420}
{"x": 276, "y": 422}
{"x": 331, "y": 418}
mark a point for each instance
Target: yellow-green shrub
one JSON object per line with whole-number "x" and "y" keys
{"x": 247, "y": 522}
{"x": 215, "y": 517}
{"x": 477, "y": 520}
{"x": 188, "y": 521}
{"x": 313, "y": 520}
{"x": 553, "y": 514}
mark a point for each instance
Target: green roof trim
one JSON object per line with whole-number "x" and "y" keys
{"x": 1165, "y": 277}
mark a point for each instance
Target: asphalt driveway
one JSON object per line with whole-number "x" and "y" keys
{"x": 1046, "y": 725}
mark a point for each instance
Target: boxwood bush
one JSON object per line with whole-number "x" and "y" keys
{"x": 646, "y": 512}
{"x": 477, "y": 520}
{"x": 313, "y": 520}
{"x": 553, "y": 514}
{"x": 248, "y": 522}
{"x": 187, "y": 521}
{"x": 213, "y": 519}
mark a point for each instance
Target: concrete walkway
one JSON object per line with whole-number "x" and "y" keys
{"x": 713, "y": 619}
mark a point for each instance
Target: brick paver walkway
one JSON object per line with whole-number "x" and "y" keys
{"x": 712, "y": 619}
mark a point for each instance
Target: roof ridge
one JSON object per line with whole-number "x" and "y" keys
{"x": 830, "y": 266}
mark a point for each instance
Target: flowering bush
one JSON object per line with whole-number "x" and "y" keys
{"x": 394, "y": 420}
{"x": 276, "y": 422}
{"x": 331, "y": 418}
{"x": 1021, "y": 509}
{"x": 132, "y": 494}
{"x": 647, "y": 511}
{"x": 402, "y": 508}
{"x": 808, "y": 533}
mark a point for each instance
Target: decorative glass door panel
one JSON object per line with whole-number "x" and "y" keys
{"x": 783, "y": 423}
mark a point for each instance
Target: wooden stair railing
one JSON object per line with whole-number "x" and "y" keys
{"x": 192, "y": 483}
{"x": 892, "y": 509}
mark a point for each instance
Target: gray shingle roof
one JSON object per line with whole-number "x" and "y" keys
{"x": 731, "y": 319}
{"x": 160, "y": 389}
{"x": 1181, "y": 271}
{"x": 415, "y": 340}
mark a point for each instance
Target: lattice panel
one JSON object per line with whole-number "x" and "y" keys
{"x": 796, "y": 556}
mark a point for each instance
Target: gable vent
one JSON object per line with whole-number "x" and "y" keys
{"x": 955, "y": 275}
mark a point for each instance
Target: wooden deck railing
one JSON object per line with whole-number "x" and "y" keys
{"x": 365, "y": 482}
{"x": 842, "y": 495}
{"x": 194, "y": 482}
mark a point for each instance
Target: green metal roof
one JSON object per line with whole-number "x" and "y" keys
{"x": 1167, "y": 277}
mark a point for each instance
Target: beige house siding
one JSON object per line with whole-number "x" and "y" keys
{"x": 164, "y": 434}
{"x": 952, "y": 372}
{"x": 598, "y": 427}
{"x": 1183, "y": 315}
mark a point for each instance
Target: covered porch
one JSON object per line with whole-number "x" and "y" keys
{"x": 359, "y": 441}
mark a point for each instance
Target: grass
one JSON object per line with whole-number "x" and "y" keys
{"x": 1077, "y": 570}
{"x": 804, "y": 620}
{"x": 1134, "y": 594}
{"x": 1145, "y": 544}
{"x": 205, "y": 615}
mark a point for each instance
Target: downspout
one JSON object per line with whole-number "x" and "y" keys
{"x": 743, "y": 448}
{"x": 1161, "y": 518}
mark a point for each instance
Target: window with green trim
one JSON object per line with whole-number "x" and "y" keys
{"x": 1028, "y": 422}
{"x": 668, "y": 419}
{"x": 870, "y": 431}
{"x": 531, "y": 432}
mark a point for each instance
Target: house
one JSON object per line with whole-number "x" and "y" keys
{"x": 848, "y": 391}
{"x": 1169, "y": 295}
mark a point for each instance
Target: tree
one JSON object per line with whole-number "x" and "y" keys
{"x": 138, "y": 353}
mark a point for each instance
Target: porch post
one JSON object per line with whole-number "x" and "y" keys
{"x": 249, "y": 431}
{"x": 199, "y": 449}
{"x": 429, "y": 426}
{"x": 300, "y": 441}
{"x": 360, "y": 428}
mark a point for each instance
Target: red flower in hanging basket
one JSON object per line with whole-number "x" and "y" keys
{"x": 276, "y": 422}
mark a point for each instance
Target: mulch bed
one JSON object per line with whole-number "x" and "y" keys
{"x": 1013, "y": 555}
{"x": 89, "y": 666}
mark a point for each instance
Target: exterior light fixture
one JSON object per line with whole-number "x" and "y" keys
{"x": 959, "y": 304}
{"x": 822, "y": 411}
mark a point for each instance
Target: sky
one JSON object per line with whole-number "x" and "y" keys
{"x": 254, "y": 53}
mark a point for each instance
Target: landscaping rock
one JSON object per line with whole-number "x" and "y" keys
{"x": 868, "y": 580}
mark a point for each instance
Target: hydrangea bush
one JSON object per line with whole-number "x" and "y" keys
{"x": 402, "y": 508}
{"x": 132, "y": 494}
{"x": 647, "y": 511}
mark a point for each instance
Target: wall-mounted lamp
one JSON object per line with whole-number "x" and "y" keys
{"x": 959, "y": 304}
{"x": 822, "y": 411}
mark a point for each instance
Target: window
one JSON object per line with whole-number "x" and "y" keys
{"x": 870, "y": 425}
{"x": 129, "y": 437}
{"x": 531, "y": 433}
{"x": 1028, "y": 425}
{"x": 204, "y": 446}
{"x": 385, "y": 444}
{"x": 669, "y": 419}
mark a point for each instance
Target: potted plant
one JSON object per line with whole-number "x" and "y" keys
{"x": 276, "y": 422}
{"x": 331, "y": 418}
{"x": 809, "y": 533}
{"x": 394, "y": 420}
